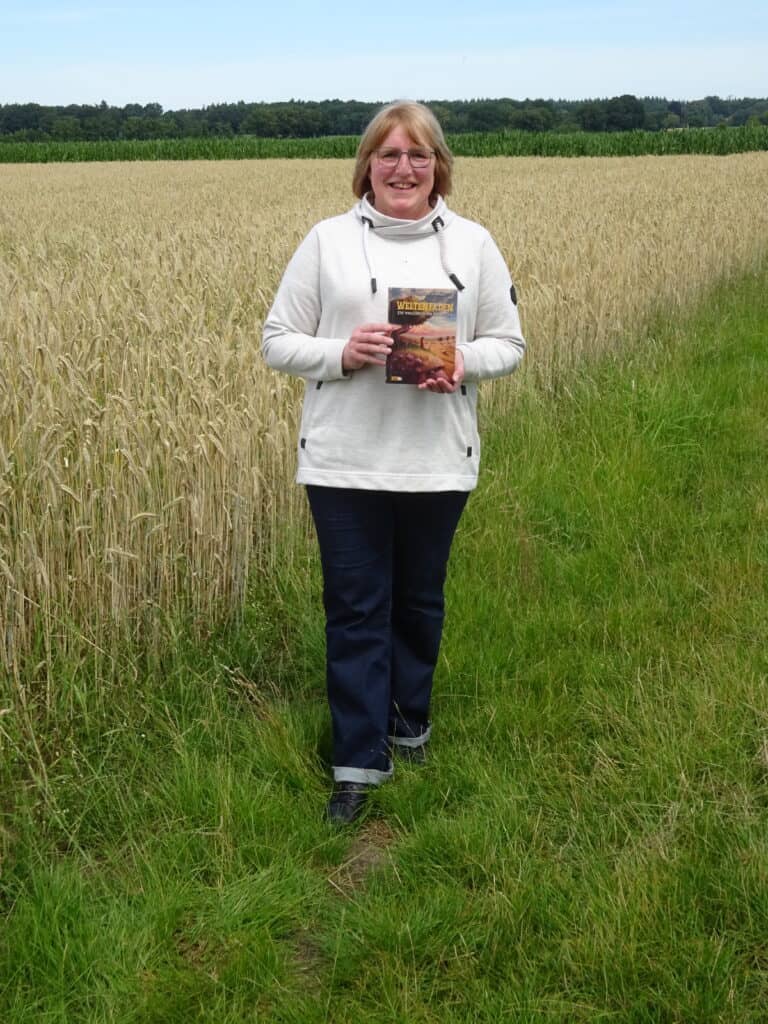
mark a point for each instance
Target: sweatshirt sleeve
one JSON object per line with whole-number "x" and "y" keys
{"x": 289, "y": 339}
{"x": 498, "y": 345}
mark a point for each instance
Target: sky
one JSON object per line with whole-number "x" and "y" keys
{"x": 193, "y": 54}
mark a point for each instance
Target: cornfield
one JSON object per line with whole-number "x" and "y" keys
{"x": 146, "y": 453}
{"x": 703, "y": 141}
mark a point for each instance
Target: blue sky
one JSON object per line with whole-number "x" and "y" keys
{"x": 192, "y": 54}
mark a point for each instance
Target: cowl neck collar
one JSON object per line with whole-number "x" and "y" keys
{"x": 392, "y": 226}
{"x": 433, "y": 223}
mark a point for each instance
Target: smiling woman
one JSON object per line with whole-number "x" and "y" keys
{"x": 403, "y": 150}
{"x": 388, "y": 467}
{"x": 402, "y": 179}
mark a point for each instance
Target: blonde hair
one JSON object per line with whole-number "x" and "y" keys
{"x": 422, "y": 126}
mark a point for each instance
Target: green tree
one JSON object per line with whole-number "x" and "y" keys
{"x": 592, "y": 116}
{"x": 66, "y": 128}
{"x": 624, "y": 113}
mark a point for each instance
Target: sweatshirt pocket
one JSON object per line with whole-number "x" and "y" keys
{"x": 467, "y": 405}
{"x": 365, "y": 429}
{"x": 311, "y": 410}
{"x": 327, "y": 421}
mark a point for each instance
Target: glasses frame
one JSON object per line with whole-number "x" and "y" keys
{"x": 404, "y": 153}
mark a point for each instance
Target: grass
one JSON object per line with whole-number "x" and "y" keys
{"x": 720, "y": 141}
{"x": 586, "y": 843}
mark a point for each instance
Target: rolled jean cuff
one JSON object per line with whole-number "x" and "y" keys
{"x": 368, "y": 776}
{"x": 411, "y": 741}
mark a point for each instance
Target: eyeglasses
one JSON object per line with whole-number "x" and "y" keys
{"x": 417, "y": 157}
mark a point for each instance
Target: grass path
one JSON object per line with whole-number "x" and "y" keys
{"x": 589, "y": 840}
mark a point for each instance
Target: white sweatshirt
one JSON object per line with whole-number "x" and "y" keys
{"x": 356, "y": 430}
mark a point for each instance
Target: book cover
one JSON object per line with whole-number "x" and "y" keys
{"x": 424, "y": 344}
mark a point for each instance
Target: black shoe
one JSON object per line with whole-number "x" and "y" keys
{"x": 347, "y": 802}
{"x": 411, "y": 755}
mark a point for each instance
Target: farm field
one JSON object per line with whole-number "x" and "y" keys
{"x": 146, "y": 453}
{"x": 741, "y": 139}
{"x": 587, "y": 840}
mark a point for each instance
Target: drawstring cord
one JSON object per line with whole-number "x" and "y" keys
{"x": 439, "y": 229}
{"x": 437, "y": 226}
{"x": 367, "y": 225}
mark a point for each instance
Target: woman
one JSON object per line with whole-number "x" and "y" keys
{"x": 388, "y": 466}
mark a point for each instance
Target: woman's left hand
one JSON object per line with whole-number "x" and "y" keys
{"x": 440, "y": 384}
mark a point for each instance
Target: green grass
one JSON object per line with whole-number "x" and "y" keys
{"x": 589, "y": 840}
{"x": 720, "y": 141}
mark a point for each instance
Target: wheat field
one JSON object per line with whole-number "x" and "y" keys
{"x": 146, "y": 453}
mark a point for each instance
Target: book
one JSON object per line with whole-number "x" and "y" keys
{"x": 424, "y": 344}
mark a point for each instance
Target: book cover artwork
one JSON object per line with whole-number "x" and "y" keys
{"x": 424, "y": 344}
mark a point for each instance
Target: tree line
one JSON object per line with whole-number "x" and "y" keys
{"x": 32, "y": 122}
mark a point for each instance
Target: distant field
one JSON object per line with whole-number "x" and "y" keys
{"x": 713, "y": 141}
{"x": 146, "y": 453}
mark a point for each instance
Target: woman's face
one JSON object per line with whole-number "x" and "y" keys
{"x": 402, "y": 191}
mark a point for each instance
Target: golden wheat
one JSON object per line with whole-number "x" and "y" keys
{"x": 146, "y": 453}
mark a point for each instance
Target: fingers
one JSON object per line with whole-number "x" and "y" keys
{"x": 370, "y": 344}
{"x": 375, "y": 328}
{"x": 439, "y": 386}
{"x": 359, "y": 352}
{"x": 376, "y": 335}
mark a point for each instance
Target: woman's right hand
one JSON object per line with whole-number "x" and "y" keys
{"x": 370, "y": 344}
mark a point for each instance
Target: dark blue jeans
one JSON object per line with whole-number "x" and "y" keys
{"x": 384, "y": 556}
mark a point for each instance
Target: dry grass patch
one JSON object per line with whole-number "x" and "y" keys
{"x": 368, "y": 852}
